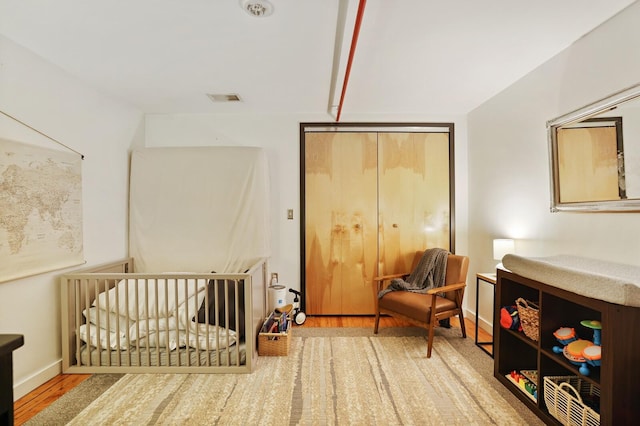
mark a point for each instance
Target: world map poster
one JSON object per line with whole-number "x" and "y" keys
{"x": 40, "y": 210}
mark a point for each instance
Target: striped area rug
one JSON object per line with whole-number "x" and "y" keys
{"x": 329, "y": 378}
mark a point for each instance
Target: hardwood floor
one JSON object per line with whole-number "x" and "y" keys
{"x": 41, "y": 397}
{"x": 44, "y": 395}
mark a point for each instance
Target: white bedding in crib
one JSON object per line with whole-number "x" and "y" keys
{"x": 172, "y": 339}
{"x": 183, "y": 296}
{"x": 154, "y": 313}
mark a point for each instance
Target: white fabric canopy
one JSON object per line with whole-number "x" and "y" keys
{"x": 198, "y": 209}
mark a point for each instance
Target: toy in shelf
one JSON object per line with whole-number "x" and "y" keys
{"x": 596, "y": 326}
{"x": 527, "y": 381}
{"x": 573, "y": 352}
{"x": 565, "y": 335}
{"x": 593, "y": 353}
{"x": 578, "y": 351}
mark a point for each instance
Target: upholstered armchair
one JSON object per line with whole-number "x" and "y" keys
{"x": 426, "y": 309}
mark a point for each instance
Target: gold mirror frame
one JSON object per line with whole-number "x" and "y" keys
{"x": 565, "y": 121}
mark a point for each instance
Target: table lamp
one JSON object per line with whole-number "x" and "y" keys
{"x": 502, "y": 246}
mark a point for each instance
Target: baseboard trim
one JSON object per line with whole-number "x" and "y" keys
{"x": 485, "y": 325}
{"x": 482, "y": 323}
{"x": 30, "y": 383}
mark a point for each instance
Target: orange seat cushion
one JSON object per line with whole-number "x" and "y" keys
{"x": 414, "y": 305}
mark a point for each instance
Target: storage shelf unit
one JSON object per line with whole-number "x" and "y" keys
{"x": 616, "y": 378}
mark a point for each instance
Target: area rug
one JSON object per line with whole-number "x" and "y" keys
{"x": 330, "y": 377}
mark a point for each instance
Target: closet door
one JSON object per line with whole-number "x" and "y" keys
{"x": 340, "y": 193}
{"x": 373, "y": 195}
{"x": 414, "y": 197}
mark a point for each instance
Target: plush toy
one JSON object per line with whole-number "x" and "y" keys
{"x": 509, "y": 318}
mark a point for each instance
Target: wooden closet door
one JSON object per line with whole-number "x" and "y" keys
{"x": 340, "y": 222}
{"x": 414, "y": 197}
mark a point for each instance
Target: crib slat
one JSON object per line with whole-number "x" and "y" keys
{"x": 216, "y": 320}
{"x": 129, "y": 321}
{"x": 78, "y": 316}
{"x": 236, "y": 301}
{"x": 166, "y": 309}
{"x": 136, "y": 319}
{"x": 157, "y": 317}
{"x": 226, "y": 319}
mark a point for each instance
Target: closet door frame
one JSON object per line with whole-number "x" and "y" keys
{"x": 370, "y": 127}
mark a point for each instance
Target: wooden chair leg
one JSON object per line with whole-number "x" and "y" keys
{"x": 431, "y": 337}
{"x": 461, "y": 318}
{"x": 375, "y": 326}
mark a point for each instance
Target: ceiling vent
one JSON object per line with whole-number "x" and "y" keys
{"x": 257, "y": 8}
{"x": 228, "y": 97}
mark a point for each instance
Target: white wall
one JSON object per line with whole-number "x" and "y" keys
{"x": 509, "y": 190}
{"x": 279, "y": 135}
{"x": 57, "y": 104}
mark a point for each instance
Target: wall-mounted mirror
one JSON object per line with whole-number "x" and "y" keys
{"x": 595, "y": 155}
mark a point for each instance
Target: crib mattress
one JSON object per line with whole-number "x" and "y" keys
{"x": 597, "y": 279}
{"x": 154, "y": 357}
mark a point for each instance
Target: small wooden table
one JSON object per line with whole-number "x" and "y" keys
{"x": 8, "y": 344}
{"x": 489, "y": 278}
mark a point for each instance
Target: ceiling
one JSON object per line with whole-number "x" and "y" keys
{"x": 412, "y": 56}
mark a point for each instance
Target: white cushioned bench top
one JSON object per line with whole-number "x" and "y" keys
{"x": 597, "y": 279}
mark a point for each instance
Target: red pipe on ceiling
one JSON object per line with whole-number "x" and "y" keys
{"x": 354, "y": 42}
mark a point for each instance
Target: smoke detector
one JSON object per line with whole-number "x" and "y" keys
{"x": 257, "y": 8}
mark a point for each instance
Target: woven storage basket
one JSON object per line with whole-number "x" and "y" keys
{"x": 529, "y": 314}
{"x": 564, "y": 398}
{"x": 274, "y": 344}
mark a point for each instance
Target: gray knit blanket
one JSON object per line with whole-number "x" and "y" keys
{"x": 429, "y": 273}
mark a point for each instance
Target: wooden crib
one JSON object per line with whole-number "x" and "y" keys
{"x": 118, "y": 321}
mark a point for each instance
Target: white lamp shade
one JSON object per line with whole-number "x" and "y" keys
{"x": 502, "y": 246}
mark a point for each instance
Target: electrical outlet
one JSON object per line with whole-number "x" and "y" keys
{"x": 274, "y": 275}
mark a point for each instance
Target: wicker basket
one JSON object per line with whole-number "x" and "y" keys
{"x": 565, "y": 395}
{"x": 274, "y": 344}
{"x": 529, "y": 314}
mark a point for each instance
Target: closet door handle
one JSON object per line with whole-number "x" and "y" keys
{"x": 395, "y": 225}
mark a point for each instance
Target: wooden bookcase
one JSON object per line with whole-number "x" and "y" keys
{"x": 617, "y": 378}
